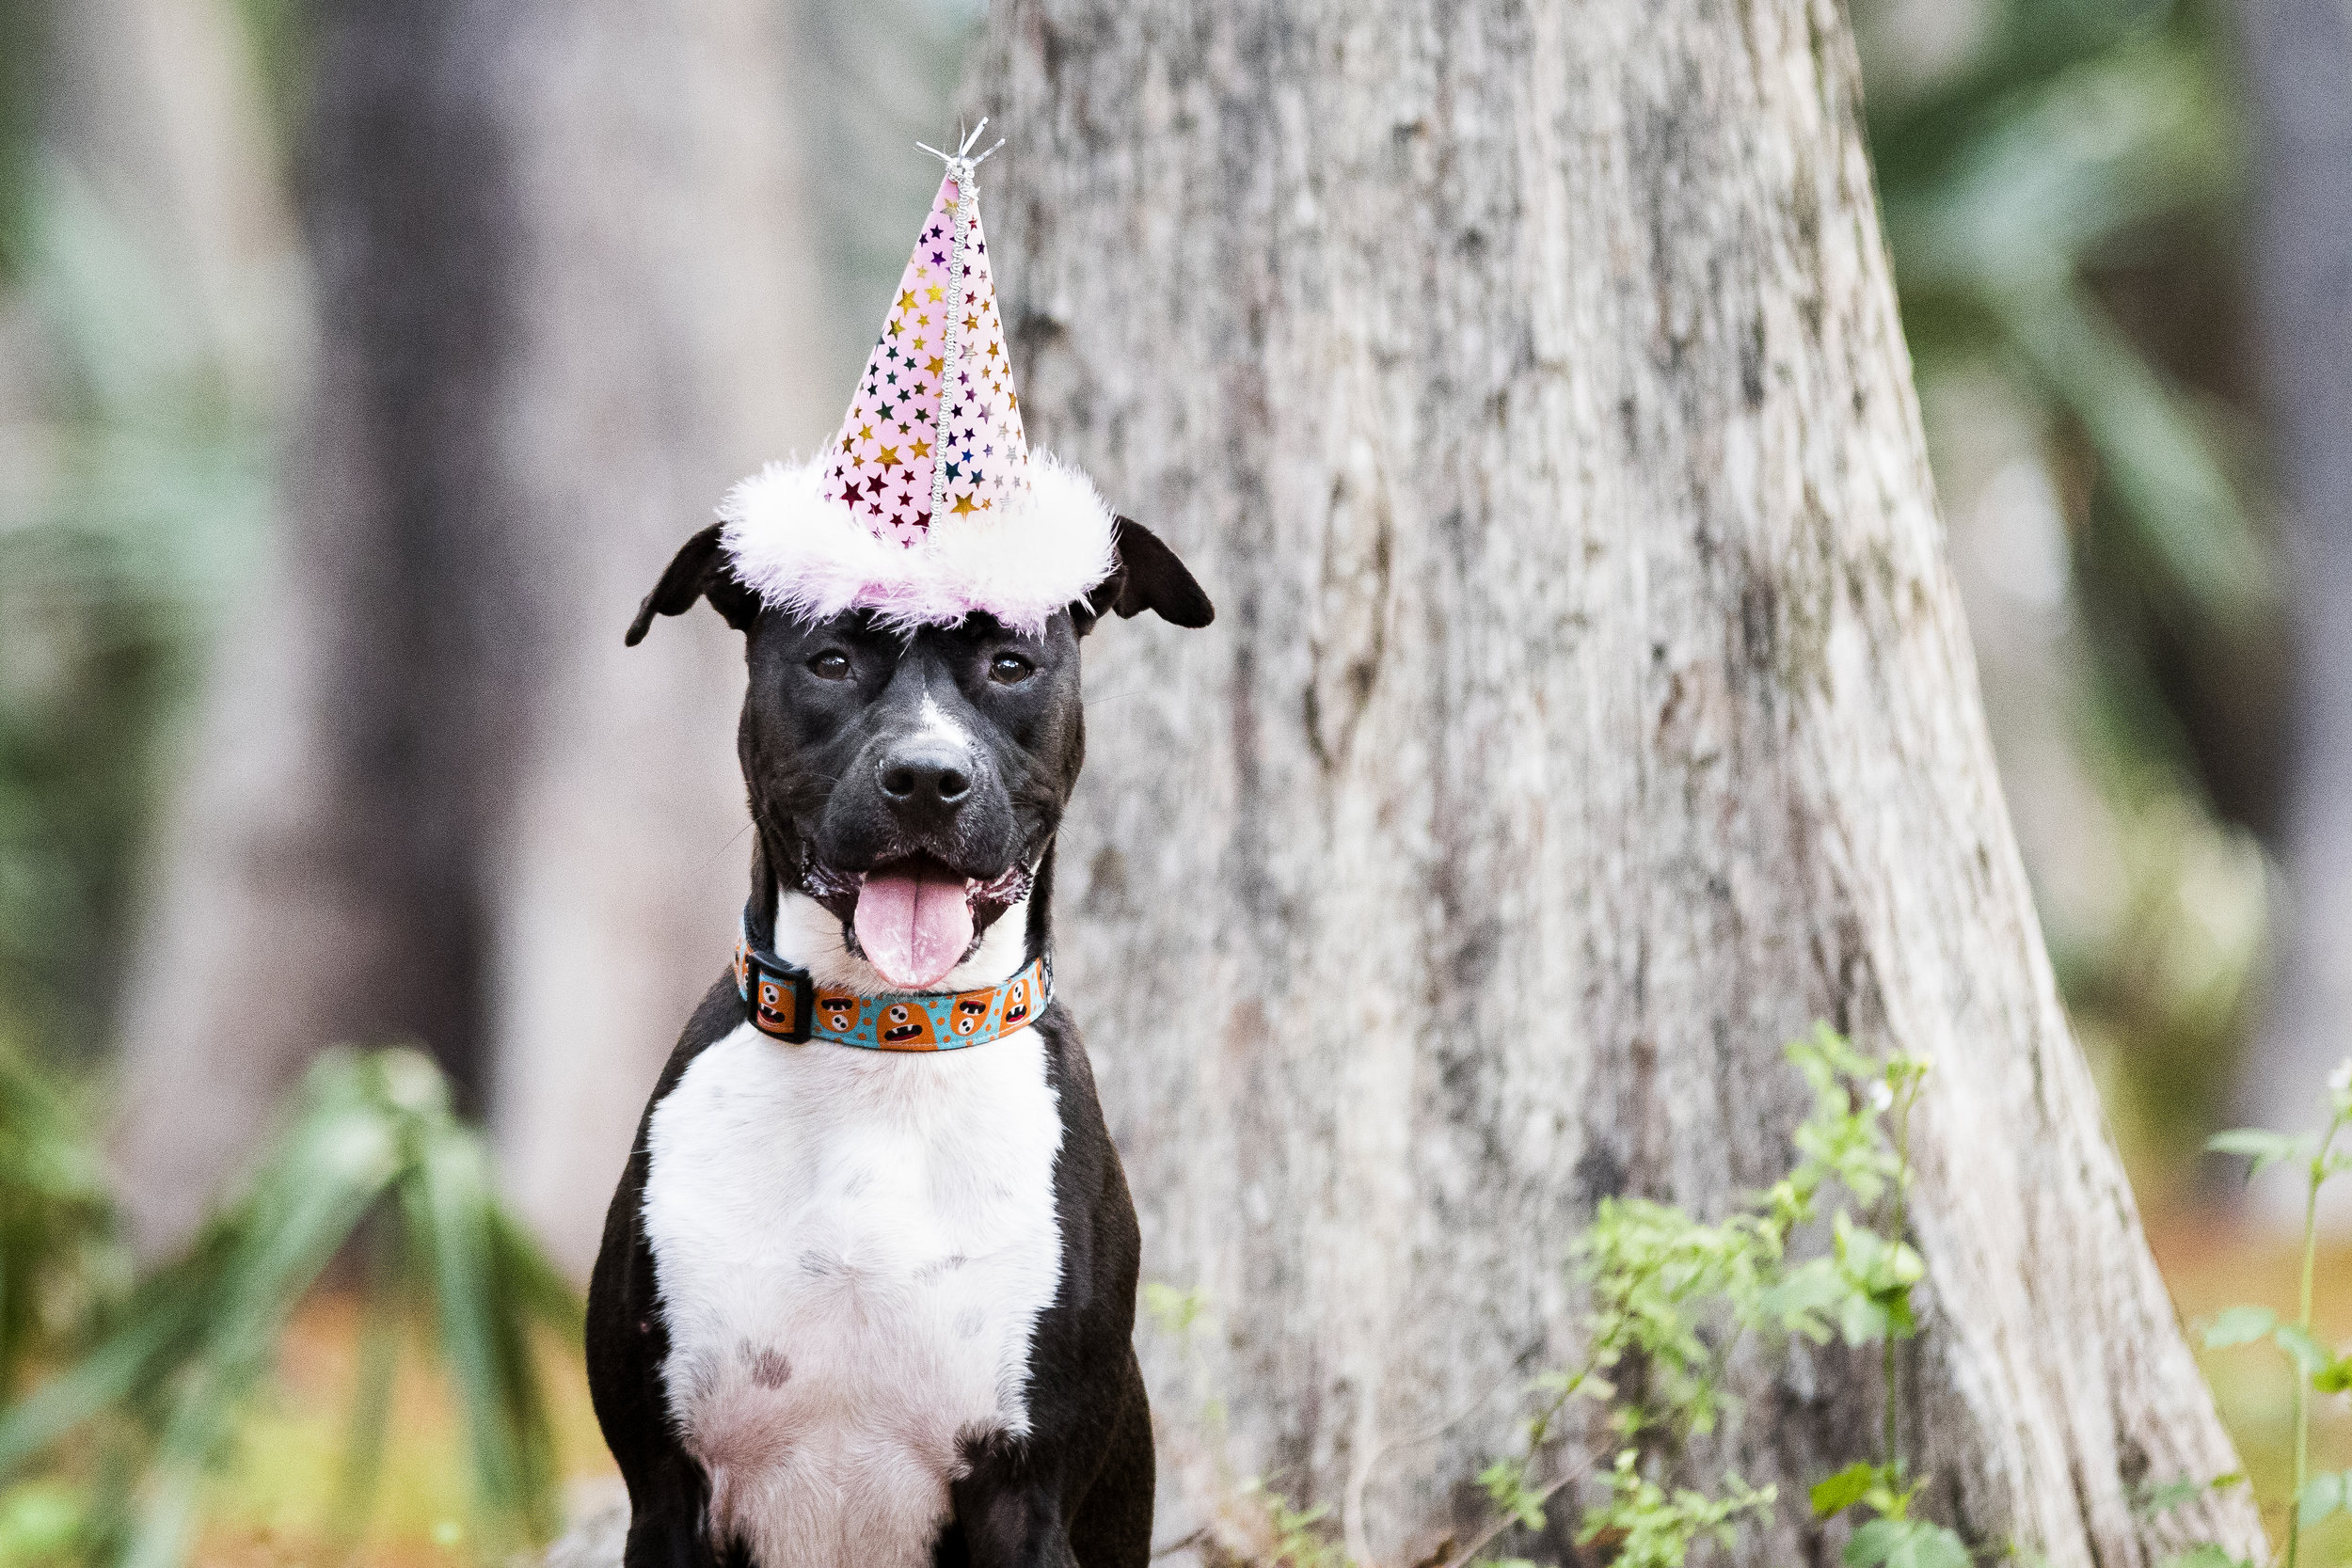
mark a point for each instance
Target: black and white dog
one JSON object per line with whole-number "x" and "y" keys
{"x": 859, "y": 1309}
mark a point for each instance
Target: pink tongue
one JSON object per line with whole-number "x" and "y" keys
{"x": 913, "y": 926}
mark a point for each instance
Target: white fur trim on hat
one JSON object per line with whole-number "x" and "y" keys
{"x": 815, "y": 557}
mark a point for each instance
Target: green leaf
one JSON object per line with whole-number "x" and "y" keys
{"x": 1807, "y": 1300}
{"x": 2240, "y": 1325}
{"x": 2324, "y": 1494}
{"x": 2263, "y": 1148}
{"x": 372, "y": 1397}
{"x": 2156, "y": 452}
{"x": 1932, "y": 1547}
{"x": 1505, "y": 1481}
{"x": 2335, "y": 1377}
{"x": 196, "y": 1338}
{"x": 448, "y": 1204}
{"x": 1873, "y": 1543}
{"x": 2302, "y": 1348}
{"x": 1905, "y": 1544}
{"x": 2163, "y": 1497}
{"x": 533, "y": 1283}
{"x": 1843, "y": 1490}
{"x": 338, "y": 1157}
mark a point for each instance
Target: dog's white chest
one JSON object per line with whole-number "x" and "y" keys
{"x": 851, "y": 1248}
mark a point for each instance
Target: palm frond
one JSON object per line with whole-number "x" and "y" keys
{"x": 2055, "y": 172}
{"x": 370, "y": 1150}
{"x": 57, "y": 1252}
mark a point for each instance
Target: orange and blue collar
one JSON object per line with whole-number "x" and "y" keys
{"x": 785, "y": 1002}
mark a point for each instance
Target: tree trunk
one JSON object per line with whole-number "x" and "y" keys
{"x": 1590, "y": 711}
{"x": 2299, "y": 52}
{"x": 562, "y": 305}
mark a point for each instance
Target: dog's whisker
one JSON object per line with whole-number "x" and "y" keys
{"x": 733, "y": 839}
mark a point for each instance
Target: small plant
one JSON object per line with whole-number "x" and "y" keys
{"x": 1298, "y": 1537}
{"x": 2316, "y": 1368}
{"x": 2163, "y": 1496}
{"x": 1671, "y": 1298}
{"x": 1654, "y": 1529}
{"x": 1890, "y": 1537}
{"x": 373, "y": 1146}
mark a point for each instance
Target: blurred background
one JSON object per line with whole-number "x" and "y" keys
{"x": 360, "y": 366}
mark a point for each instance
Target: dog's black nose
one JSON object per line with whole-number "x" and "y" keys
{"x": 925, "y": 777}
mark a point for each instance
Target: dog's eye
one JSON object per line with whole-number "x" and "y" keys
{"x": 1010, "y": 669}
{"x": 830, "y": 665}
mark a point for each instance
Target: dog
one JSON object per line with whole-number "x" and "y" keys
{"x": 875, "y": 1308}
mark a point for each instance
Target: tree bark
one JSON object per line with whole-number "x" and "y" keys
{"x": 562, "y": 304}
{"x": 2299, "y": 54}
{"x": 1589, "y": 711}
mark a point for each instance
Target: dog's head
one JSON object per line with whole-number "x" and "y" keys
{"x": 911, "y": 781}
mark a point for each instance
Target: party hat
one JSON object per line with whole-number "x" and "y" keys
{"x": 928, "y": 504}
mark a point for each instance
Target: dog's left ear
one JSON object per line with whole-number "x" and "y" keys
{"x": 1148, "y": 577}
{"x": 698, "y": 571}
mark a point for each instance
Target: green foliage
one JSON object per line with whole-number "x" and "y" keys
{"x": 2262, "y": 1150}
{"x": 2328, "y": 1492}
{"x": 1299, "y": 1539}
{"x": 1904, "y": 1543}
{"x": 2317, "y": 1369}
{"x": 1891, "y": 1537}
{"x": 40, "y": 1522}
{"x": 2240, "y": 1325}
{"x": 1653, "y": 1528}
{"x": 2163, "y": 1497}
{"x": 2064, "y": 186}
{"x": 1172, "y": 1311}
{"x": 24, "y": 38}
{"x": 144, "y": 493}
{"x": 1664, "y": 1285}
{"x": 165, "y": 1372}
{"x": 280, "y": 36}
{"x": 57, "y": 1253}
{"x": 2010, "y": 183}
{"x": 1858, "y": 1481}
{"x": 1672, "y": 1296}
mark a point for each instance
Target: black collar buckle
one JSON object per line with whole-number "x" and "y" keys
{"x": 779, "y": 999}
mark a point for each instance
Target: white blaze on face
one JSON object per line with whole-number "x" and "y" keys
{"x": 916, "y": 925}
{"x": 936, "y": 725}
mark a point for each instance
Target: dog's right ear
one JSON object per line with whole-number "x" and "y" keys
{"x": 698, "y": 571}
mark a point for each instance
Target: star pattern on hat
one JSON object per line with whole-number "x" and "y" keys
{"x": 925, "y": 403}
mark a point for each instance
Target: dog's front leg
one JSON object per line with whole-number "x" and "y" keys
{"x": 669, "y": 1519}
{"x": 1011, "y": 1510}
{"x": 666, "y": 1539}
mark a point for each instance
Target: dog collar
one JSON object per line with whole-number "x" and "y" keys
{"x": 784, "y": 1002}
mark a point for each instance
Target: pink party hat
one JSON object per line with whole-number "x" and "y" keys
{"x": 928, "y": 505}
